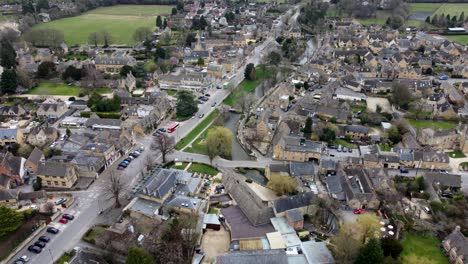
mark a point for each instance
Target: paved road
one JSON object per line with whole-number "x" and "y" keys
{"x": 93, "y": 200}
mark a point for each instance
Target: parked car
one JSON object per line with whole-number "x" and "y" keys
{"x": 40, "y": 244}
{"x": 207, "y": 95}
{"x": 350, "y": 150}
{"x": 359, "y": 211}
{"x": 135, "y": 154}
{"x": 120, "y": 168}
{"x": 443, "y": 77}
{"x": 213, "y": 104}
{"x": 427, "y": 210}
{"x": 201, "y": 115}
{"x": 63, "y": 220}
{"x": 24, "y": 259}
{"x": 130, "y": 157}
{"x": 35, "y": 249}
{"x": 404, "y": 170}
{"x": 60, "y": 201}
{"x": 124, "y": 165}
{"x": 332, "y": 147}
{"x": 52, "y": 230}
{"x": 141, "y": 149}
{"x": 200, "y": 102}
{"x": 443, "y": 171}
{"x": 162, "y": 129}
{"x": 45, "y": 239}
{"x": 447, "y": 195}
{"x": 127, "y": 160}
{"x": 68, "y": 216}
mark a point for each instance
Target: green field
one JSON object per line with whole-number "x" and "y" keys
{"x": 456, "y": 154}
{"x": 47, "y": 88}
{"x": 424, "y": 7}
{"x": 121, "y": 21}
{"x": 452, "y": 9}
{"x": 246, "y": 86}
{"x": 419, "y": 124}
{"x": 423, "y": 246}
{"x": 462, "y": 39}
{"x": 202, "y": 168}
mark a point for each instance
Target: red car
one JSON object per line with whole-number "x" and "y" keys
{"x": 63, "y": 220}
{"x": 359, "y": 211}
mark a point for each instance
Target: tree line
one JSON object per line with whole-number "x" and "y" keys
{"x": 443, "y": 20}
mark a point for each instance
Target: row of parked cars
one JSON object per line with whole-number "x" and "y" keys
{"x": 135, "y": 154}
{"x": 43, "y": 240}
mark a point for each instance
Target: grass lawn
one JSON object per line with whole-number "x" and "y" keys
{"x": 385, "y": 147}
{"x": 419, "y": 124}
{"x": 424, "y": 7}
{"x": 452, "y": 9}
{"x": 456, "y": 154}
{"x": 103, "y": 90}
{"x": 344, "y": 143}
{"x": 65, "y": 258}
{"x": 246, "y": 86}
{"x": 171, "y": 92}
{"x": 121, "y": 21}
{"x": 462, "y": 39}
{"x": 204, "y": 123}
{"x": 47, "y": 88}
{"x": 203, "y": 168}
{"x": 380, "y": 18}
{"x": 199, "y": 145}
{"x": 357, "y": 108}
{"x": 213, "y": 211}
{"x": 423, "y": 246}
{"x": 94, "y": 232}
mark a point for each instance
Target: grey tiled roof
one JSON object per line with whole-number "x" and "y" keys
{"x": 276, "y": 256}
{"x": 295, "y": 201}
{"x": 7, "y": 194}
{"x": 35, "y": 156}
{"x": 294, "y": 215}
{"x": 160, "y": 183}
{"x": 294, "y": 144}
{"x": 241, "y": 227}
{"x": 52, "y": 169}
{"x": 8, "y": 133}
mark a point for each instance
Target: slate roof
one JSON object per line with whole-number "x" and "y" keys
{"x": 300, "y": 144}
{"x": 53, "y": 169}
{"x": 7, "y": 194}
{"x": 183, "y": 201}
{"x": 32, "y": 195}
{"x": 272, "y": 256}
{"x": 295, "y": 201}
{"x": 317, "y": 252}
{"x": 103, "y": 122}
{"x": 145, "y": 207}
{"x": 160, "y": 183}
{"x": 450, "y": 180}
{"x": 13, "y": 163}
{"x": 241, "y": 227}
{"x": 334, "y": 186}
{"x": 301, "y": 169}
{"x": 220, "y": 198}
{"x": 35, "y": 156}
{"x": 459, "y": 241}
{"x": 8, "y": 133}
{"x": 294, "y": 215}
{"x": 357, "y": 129}
{"x": 4, "y": 181}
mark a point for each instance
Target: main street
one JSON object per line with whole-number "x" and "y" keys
{"x": 89, "y": 203}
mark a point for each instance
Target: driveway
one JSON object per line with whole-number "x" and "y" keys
{"x": 214, "y": 243}
{"x": 372, "y": 103}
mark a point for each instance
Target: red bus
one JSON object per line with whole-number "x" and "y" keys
{"x": 172, "y": 127}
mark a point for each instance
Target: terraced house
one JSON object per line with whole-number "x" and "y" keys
{"x": 294, "y": 148}
{"x": 57, "y": 174}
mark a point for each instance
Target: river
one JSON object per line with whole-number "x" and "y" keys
{"x": 238, "y": 153}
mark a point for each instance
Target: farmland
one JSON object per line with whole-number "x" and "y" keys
{"x": 121, "y": 21}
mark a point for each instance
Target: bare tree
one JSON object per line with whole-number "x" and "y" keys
{"x": 114, "y": 187}
{"x": 245, "y": 102}
{"x": 93, "y": 38}
{"x": 165, "y": 144}
{"x": 149, "y": 162}
{"x": 49, "y": 207}
{"x": 106, "y": 37}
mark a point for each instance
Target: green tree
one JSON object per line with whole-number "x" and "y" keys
{"x": 328, "y": 135}
{"x": 391, "y": 247}
{"x": 10, "y": 220}
{"x": 186, "y": 104}
{"x": 180, "y": 5}
{"x": 394, "y": 135}
{"x": 200, "y": 61}
{"x": 106, "y": 37}
{"x": 159, "y": 22}
{"x": 370, "y": 253}
{"x": 230, "y": 17}
{"x": 282, "y": 184}
{"x": 346, "y": 243}
{"x": 219, "y": 142}
{"x": 369, "y": 226}
{"x": 71, "y": 72}
{"x": 308, "y": 125}
{"x": 250, "y": 73}
{"x": 8, "y": 82}
{"x": 160, "y": 54}
{"x": 126, "y": 69}
{"x": 46, "y": 69}
{"x": 461, "y": 20}
{"x": 94, "y": 99}
{"x": 7, "y": 55}
{"x": 174, "y": 11}
{"x": 138, "y": 256}
{"x": 38, "y": 184}
{"x": 428, "y": 19}
{"x": 23, "y": 78}
{"x": 68, "y": 132}
{"x": 401, "y": 95}
{"x": 274, "y": 58}
{"x": 94, "y": 38}
{"x": 42, "y": 4}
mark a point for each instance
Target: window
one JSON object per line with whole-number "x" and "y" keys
{"x": 49, "y": 183}
{"x": 56, "y": 183}
{"x": 64, "y": 183}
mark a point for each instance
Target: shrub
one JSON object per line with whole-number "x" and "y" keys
{"x": 248, "y": 180}
{"x": 71, "y": 99}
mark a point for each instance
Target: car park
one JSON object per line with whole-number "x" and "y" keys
{"x": 40, "y": 244}
{"x": 68, "y": 216}
{"x": 35, "y": 249}
{"x": 63, "y": 220}
{"x": 52, "y": 230}
{"x": 60, "y": 201}
{"x": 45, "y": 239}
